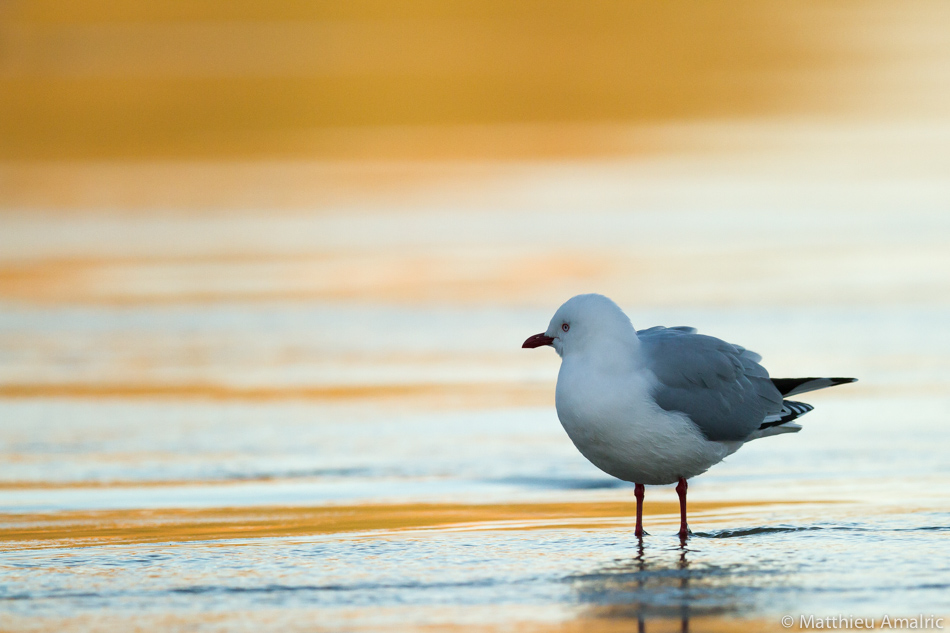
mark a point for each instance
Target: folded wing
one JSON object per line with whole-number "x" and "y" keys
{"x": 721, "y": 387}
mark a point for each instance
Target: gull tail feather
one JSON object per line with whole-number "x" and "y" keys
{"x": 782, "y": 421}
{"x": 790, "y": 411}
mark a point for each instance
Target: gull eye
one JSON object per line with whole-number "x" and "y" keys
{"x": 565, "y": 327}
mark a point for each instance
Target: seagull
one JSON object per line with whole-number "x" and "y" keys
{"x": 662, "y": 405}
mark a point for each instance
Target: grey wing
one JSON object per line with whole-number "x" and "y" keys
{"x": 720, "y": 386}
{"x": 683, "y": 329}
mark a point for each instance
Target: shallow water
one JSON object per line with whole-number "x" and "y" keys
{"x": 323, "y": 420}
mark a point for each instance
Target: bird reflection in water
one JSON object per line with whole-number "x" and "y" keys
{"x": 665, "y": 584}
{"x": 683, "y": 566}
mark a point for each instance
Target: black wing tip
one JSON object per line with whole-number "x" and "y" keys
{"x": 793, "y": 386}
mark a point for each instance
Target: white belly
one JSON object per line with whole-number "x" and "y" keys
{"x": 623, "y": 432}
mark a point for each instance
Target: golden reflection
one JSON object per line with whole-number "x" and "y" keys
{"x": 87, "y": 528}
{"x": 302, "y": 619}
{"x": 351, "y": 275}
{"x": 436, "y": 395}
{"x": 427, "y": 273}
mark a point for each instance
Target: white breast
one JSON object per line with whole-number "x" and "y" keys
{"x": 615, "y": 424}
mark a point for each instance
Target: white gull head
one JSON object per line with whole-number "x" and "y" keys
{"x": 589, "y": 324}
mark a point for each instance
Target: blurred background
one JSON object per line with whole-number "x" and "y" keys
{"x": 284, "y": 255}
{"x": 113, "y": 104}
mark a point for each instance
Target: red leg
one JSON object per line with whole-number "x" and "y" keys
{"x": 638, "y": 492}
{"x": 681, "y": 491}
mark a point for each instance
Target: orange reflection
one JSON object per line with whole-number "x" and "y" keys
{"x": 141, "y": 526}
{"x": 482, "y": 395}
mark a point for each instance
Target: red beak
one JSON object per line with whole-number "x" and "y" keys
{"x": 537, "y": 341}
